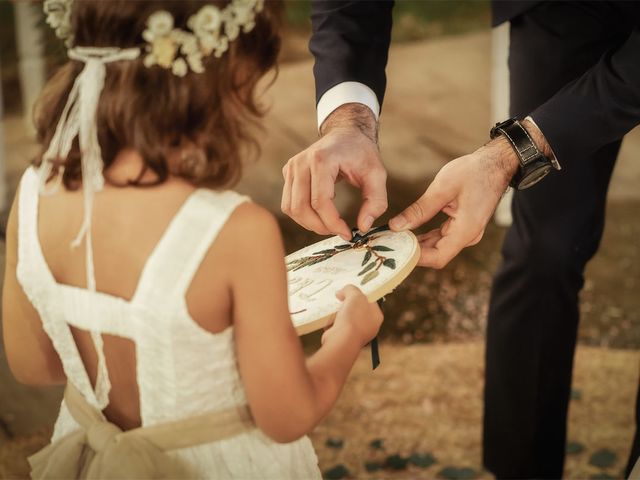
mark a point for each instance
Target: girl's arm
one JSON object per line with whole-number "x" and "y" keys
{"x": 288, "y": 395}
{"x": 30, "y": 353}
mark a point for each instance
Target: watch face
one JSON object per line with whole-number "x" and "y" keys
{"x": 534, "y": 176}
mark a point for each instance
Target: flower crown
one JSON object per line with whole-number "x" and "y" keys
{"x": 211, "y": 30}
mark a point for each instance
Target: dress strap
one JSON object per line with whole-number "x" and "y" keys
{"x": 179, "y": 253}
{"x": 42, "y": 290}
{"x": 30, "y": 257}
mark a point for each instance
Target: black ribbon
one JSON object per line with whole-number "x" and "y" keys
{"x": 358, "y": 238}
{"x": 375, "y": 353}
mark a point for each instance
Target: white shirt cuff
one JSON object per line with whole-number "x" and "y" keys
{"x": 346, "y": 92}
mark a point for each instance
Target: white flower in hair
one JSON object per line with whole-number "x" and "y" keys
{"x": 59, "y": 17}
{"x": 162, "y": 52}
{"x": 209, "y": 42}
{"x": 179, "y": 67}
{"x": 232, "y": 30}
{"x": 222, "y": 47}
{"x": 195, "y": 63}
{"x": 207, "y": 20}
{"x": 163, "y": 42}
{"x": 244, "y": 13}
{"x": 160, "y": 23}
{"x": 173, "y": 48}
{"x": 189, "y": 45}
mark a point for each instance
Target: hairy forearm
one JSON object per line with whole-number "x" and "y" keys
{"x": 502, "y": 160}
{"x": 352, "y": 116}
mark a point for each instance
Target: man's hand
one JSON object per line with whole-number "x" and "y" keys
{"x": 348, "y": 149}
{"x": 468, "y": 190}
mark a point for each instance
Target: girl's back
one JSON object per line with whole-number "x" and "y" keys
{"x": 162, "y": 308}
{"x": 169, "y": 310}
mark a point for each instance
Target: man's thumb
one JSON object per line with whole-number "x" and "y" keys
{"x": 419, "y": 212}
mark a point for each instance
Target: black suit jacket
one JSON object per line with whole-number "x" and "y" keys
{"x": 350, "y": 42}
{"x": 504, "y": 10}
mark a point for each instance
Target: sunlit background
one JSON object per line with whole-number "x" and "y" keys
{"x": 419, "y": 415}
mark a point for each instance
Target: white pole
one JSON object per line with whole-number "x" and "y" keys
{"x": 500, "y": 103}
{"x": 30, "y": 56}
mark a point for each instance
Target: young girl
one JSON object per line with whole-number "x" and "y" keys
{"x": 167, "y": 317}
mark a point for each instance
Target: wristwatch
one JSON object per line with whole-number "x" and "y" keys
{"x": 534, "y": 165}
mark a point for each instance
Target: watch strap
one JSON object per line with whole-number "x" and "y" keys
{"x": 519, "y": 139}
{"x": 522, "y": 143}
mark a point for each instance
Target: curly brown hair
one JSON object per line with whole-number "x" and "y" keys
{"x": 208, "y": 117}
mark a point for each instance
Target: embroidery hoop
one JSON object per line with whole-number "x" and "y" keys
{"x": 312, "y": 301}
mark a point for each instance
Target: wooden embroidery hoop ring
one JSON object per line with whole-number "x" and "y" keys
{"x": 383, "y": 290}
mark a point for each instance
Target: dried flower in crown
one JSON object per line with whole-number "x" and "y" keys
{"x": 59, "y": 18}
{"x": 211, "y": 30}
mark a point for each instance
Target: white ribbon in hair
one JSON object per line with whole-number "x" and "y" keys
{"x": 78, "y": 119}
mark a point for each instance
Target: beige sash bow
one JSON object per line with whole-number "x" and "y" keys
{"x": 101, "y": 450}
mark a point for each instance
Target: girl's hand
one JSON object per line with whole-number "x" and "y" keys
{"x": 357, "y": 318}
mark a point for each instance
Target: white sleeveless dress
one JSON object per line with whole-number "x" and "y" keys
{"x": 182, "y": 369}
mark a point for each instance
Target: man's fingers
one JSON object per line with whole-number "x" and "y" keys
{"x": 438, "y": 249}
{"x": 476, "y": 240}
{"x": 422, "y": 210}
{"x": 321, "y": 199}
{"x": 285, "y": 203}
{"x": 427, "y": 243}
{"x": 300, "y": 208}
{"x": 374, "y": 196}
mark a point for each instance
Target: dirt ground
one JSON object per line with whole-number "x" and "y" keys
{"x": 427, "y": 400}
{"x": 424, "y": 403}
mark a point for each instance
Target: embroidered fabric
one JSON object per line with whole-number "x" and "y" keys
{"x": 182, "y": 369}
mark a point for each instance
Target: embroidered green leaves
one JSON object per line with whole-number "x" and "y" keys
{"x": 370, "y": 271}
{"x": 316, "y": 257}
{"x": 372, "y": 261}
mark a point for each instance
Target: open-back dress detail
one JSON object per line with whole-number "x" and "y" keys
{"x": 182, "y": 370}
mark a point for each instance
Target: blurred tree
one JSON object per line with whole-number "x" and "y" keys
{"x": 3, "y": 181}
{"x": 31, "y": 65}
{"x": 414, "y": 19}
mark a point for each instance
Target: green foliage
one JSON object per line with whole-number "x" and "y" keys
{"x": 422, "y": 460}
{"x": 456, "y": 473}
{"x": 574, "y": 448}
{"x": 297, "y": 13}
{"x": 336, "y": 473}
{"x": 377, "y": 444}
{"x": 7, "y": 34}
{"x": 414, "y": 19}
{"x": 603, "y": 458}
{"x": 396, "y": 462}
{"x": 334, "y": 443}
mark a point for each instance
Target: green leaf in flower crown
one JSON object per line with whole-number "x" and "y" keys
{"x": 382, "y": 248}
{"x": 367, "y": 268}
{"x": 369, "y": 276}
{"x": 367, "y": 257}
{"x": 390, "y": 262}
{"x": 324, "y": 252}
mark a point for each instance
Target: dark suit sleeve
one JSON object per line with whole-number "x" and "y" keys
{"x": 596, "y": 109}
{"x": 350, "y": 43}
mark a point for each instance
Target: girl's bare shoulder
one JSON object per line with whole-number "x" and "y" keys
{"x": 252, "y": 225}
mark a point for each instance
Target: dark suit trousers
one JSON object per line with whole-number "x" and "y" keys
{"x": 533, "y": 312}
